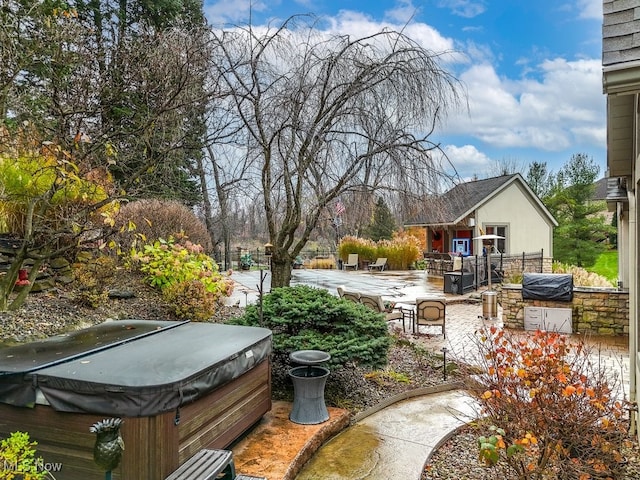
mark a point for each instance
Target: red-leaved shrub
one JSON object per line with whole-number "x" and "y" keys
{"x": 555, "y": 411}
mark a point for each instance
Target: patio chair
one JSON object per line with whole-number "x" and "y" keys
{"x": 380, "y": 264}
{"x": 352, "y": 262}
{"x": 430, "y": 312}
{"x": 375, "y": 303}
{"x": 347, "y": 295}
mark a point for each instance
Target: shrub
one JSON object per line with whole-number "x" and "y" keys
{"x": 92, "y": 277}
{"x": 365, "y": 248}
{"x": 323, "y": 263}
{"x": 553, "y": 410}
{"x": 155, "y": 219}
{"x": 306, "y": 318}
{"x": 582, "y": 277}
{"x": 18, "y": 460}
{"x": 172, "y": 266}
{"x": 190, "y": 300}
{"x": 401, "y": 251}
{"x": 28, "y": 177}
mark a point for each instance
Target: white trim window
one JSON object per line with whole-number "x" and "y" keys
{"x": 498, "y": 245}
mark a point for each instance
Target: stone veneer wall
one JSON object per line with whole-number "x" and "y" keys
{"x": 598, "y": 311}
{"x": 516, "y": 265}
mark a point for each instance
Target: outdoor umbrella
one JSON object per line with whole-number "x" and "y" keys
{"x": 489, "y": 237}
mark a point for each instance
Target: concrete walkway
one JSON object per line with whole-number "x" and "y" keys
{"x": 392, "y": 443}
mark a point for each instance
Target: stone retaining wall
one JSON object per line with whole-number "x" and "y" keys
{"x": 598, "y": 311}
{"x": 57, "y": 270}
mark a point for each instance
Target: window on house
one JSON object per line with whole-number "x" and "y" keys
{"x": 498, "y": 245}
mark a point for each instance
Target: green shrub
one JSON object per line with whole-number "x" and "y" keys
{"x": 170, "y": 265}
{"x": 18, "y": 458}
{"x": 154, "y": 219}
{"x": 306, "y": 318}
{"x": 365, "y": 248}
{"x": 29, "y": 176}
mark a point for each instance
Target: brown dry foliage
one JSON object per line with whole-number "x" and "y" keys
{"x": 543, "y": 387}
{"x": 161, "y": 219}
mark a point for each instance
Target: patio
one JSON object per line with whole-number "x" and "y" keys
{"x": 286, "y": 449}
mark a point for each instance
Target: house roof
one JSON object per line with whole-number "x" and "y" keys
{"x": 600, "y": 190}
{"x": 462, "y": 200}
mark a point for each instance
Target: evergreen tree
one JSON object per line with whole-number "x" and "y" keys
{"x": 580, "y": 236}
{"x": 540, "y": 180}
{"x": 383, "y": 223}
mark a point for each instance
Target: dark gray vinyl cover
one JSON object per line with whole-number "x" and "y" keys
{"x": 16, "y": 361}
{"x": 149, "y": 374}
{"x": 547, "y": 286}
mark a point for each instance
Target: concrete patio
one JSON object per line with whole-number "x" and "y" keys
{"x": 395, "y": 441}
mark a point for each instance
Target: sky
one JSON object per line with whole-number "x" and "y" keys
{"x": 531, "y": 70}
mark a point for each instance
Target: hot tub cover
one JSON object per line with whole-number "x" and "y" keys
{"x": 547, "y": 286}
{"x": 142, "y": 375}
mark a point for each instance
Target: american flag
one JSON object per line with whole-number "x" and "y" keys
{"x": 340, "y": 208}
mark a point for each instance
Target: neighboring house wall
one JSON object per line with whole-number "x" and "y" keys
{"x": 621, "y": 82}
{"x": 527, "y": 230}
{"x": 470, "y": 209}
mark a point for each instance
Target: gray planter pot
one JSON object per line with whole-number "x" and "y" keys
{"x": 308, "y": 395}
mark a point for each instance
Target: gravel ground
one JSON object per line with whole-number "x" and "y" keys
{"x": 457, "y": 459}
{"x": 355, "y": 389}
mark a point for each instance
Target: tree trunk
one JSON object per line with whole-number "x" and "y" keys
{"x": 8, "y": 281}
{"x": 24, "y": 293}
{"x": 280, "y": 270}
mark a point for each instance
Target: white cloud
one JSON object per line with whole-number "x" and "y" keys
{"x": 403, "y": 12}
{"x": 223, "y": 12}
{"x": 464, "y": 8}
{"x": 466, "y": 157}
{"x": 564, "y": 109}
{"x": 590, "y": 9}
{"x": 360, "y": 25}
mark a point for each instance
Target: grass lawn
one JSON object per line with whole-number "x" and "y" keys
{"x": 607, "y": 265}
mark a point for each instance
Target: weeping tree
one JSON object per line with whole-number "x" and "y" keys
{"x": 323, "y": 115}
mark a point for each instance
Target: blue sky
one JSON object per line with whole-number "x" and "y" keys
{"x": 532, "y": 70}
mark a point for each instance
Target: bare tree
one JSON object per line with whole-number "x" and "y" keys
{"x": 325, "y": 114}
{"x": 505, "y": 166}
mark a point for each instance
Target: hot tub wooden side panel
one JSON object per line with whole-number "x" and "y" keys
{"x": 226, "y": 412}
{"x": 154, "y": 446}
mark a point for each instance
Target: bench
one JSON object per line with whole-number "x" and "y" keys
{"x": 209, "y": 465}
{"x": 206, "y": 465}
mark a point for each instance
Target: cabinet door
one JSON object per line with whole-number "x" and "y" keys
{"x": 558, "y": 320}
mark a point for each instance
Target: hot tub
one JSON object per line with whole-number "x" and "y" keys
{"x": 179, "y": 386}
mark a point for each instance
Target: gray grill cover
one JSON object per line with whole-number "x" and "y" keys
{"x": 547, "y": 286}
{"x": 142, "y": 375}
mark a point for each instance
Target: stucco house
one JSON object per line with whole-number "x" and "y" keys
{"x": 504, "y": 206}
{"x": 621, "y": 85}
